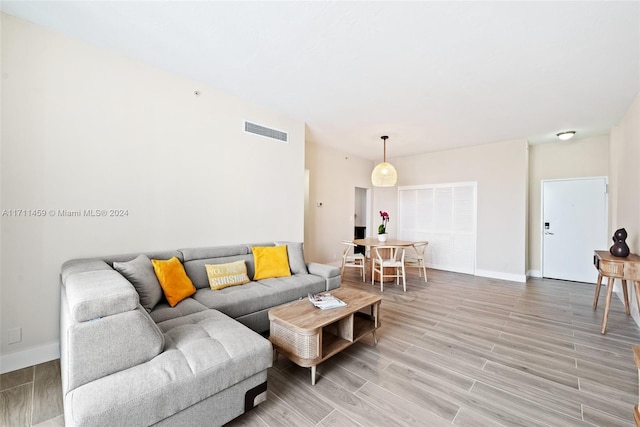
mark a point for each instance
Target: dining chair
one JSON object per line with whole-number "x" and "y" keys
{"x": 415, "y": 258}
{"x": 389, "y": 262}
{"x": 352, "y": 259}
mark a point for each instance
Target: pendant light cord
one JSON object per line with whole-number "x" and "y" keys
{"x": 384, "y": 152}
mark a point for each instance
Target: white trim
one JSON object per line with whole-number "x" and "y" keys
{"x": 521, "y": 278}
{"x": 534, "y": 273}
{"x": 635, "y": 314}
{"x": 29, "y": 357}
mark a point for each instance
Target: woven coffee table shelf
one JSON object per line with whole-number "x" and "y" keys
{"x": 308, "y": 336}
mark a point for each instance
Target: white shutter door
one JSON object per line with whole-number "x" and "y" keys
{"x": 408, "y": 199}
{"x": 464, "y": 229}
{"x": 445, "y": 216}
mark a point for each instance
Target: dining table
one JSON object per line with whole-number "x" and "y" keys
{"x": 372, "y": 242}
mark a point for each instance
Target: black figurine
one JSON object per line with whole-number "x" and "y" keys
{"x": 620, "y": 247}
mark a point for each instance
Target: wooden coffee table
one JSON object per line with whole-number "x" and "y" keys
{"x": 307, "y": 335}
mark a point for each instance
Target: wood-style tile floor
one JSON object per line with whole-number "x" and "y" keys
{"x": 32, "y": 396}
{"x": 458, "y": 350}
{"x": 469, "y": 351}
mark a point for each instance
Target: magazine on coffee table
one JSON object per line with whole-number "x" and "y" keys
{"x": 324, "y": 300}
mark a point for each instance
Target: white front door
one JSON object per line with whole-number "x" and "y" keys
{"x": 574, "y": 224}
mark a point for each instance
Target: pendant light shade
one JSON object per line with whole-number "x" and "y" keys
{"x": 384, "y": 174}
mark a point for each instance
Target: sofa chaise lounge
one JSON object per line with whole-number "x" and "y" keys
{"x": 131, "y": 358}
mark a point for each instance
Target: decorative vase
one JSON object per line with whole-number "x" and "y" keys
{"x": 382, "y": 237}
{"x": 620, "y": 247}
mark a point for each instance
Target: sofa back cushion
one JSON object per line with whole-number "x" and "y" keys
{"x": 152, "y": 255}
{"x": 103, "y": 346}
{"x": 101, "y": 293}
{"x": 195, "y": 260}
{"x": 76, "y": 266}
{"x": 197, "y": 271}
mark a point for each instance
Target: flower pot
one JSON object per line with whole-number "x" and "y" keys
{"x": 382, "y": 237}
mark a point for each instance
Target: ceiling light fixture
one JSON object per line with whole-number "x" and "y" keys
{"x": 384, "y": 174}
{"x": 563, "y": 136}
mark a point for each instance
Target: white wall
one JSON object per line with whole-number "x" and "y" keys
{"x": 624, "y": 183}
{"x": 84, "y": 128}
{"x": 587, "y": 157}
{"x": 501, "y": 171}
{"x": 499, "y": 168}
{"x": 333, "y": 177}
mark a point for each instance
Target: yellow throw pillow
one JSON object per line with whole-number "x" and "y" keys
{"x": 271, "y": 261}
{"x": 224, "y": 275}
{"x": 174, "y": 281}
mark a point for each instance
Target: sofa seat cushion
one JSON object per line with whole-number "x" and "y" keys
{"x": 238, "y": 301}
{"x": 205, "y": 352}
{"x": 163, "y": 311}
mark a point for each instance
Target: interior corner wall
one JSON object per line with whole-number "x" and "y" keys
{"x": 582, "y": 158}
{"x": 87, "y": 134}
{"x": 624, "y": 183}
{"x": 333, "y": 178}
{"x": 501, "y": 171}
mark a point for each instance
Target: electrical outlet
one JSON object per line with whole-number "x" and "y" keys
{"x": 15, "y": 335}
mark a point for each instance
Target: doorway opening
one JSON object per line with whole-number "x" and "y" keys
{"x": 361, "y": 209}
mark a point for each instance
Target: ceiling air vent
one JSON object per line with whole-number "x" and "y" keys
{"x": 265, "y": 131}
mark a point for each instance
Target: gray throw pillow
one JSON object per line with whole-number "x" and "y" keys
{"x": 141, "y": 274}
{"x": 297, "y": 265}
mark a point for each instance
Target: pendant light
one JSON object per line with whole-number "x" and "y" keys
{"x": 384, "y": 174}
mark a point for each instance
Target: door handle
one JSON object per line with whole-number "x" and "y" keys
{"x": 548, "y": 232}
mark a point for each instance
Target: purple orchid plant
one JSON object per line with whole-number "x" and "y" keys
{"x": 382, "y": 228}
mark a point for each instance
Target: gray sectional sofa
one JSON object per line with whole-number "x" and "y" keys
{"x": 130, "y": 359}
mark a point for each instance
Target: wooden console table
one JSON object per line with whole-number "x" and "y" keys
{"x": 612, "y": 267}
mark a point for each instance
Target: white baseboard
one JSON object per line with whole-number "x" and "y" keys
{"x": 534, "y": 273}
{"x": 29, "y": 357}
{"x": 522, "y": 278}
{"x": 617, "y": 289}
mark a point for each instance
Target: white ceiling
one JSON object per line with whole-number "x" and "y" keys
{"x": 431, "y": 75}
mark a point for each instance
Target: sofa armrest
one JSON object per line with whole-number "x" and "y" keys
{"x": 323, "y": 270}
{"x": 330, "y": 273}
